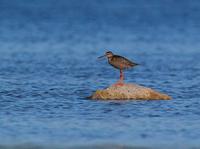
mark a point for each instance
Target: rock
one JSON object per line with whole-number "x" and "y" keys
{"x": 129, "y": 91}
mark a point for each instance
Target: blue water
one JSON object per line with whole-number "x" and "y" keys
{"x": 48, "y": 67}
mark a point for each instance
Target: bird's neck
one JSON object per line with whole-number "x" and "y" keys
{"x": 109, "y": 58}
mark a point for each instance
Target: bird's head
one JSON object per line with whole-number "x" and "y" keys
{"x": 108, "y": 54}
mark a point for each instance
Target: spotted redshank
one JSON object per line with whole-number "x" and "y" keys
{"x": 120, "y": 63}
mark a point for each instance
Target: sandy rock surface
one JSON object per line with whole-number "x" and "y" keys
{"x": 129, "y": 91}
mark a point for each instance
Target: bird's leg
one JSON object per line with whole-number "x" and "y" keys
{"x": 121, "y": 80}
{"x": 121, "y": 76}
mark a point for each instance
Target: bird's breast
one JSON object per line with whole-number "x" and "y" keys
{"x": 114, "y": 63}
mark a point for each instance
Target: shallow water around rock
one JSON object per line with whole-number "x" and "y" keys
{"x": 48, "y": 66}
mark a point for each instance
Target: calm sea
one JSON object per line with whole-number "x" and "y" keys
{"x": 48, "y": 66}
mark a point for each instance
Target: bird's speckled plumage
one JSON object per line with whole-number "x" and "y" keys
{"x": 118, "y": 61}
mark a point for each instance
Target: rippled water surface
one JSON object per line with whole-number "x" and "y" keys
{"x": 48, "y": 66}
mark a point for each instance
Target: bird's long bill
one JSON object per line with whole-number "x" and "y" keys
{"x": 100, "y": 57}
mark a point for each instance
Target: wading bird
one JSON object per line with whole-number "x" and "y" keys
{"x": 120, "y": 63}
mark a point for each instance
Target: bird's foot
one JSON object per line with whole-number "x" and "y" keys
{"x": 119, "y": 83}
